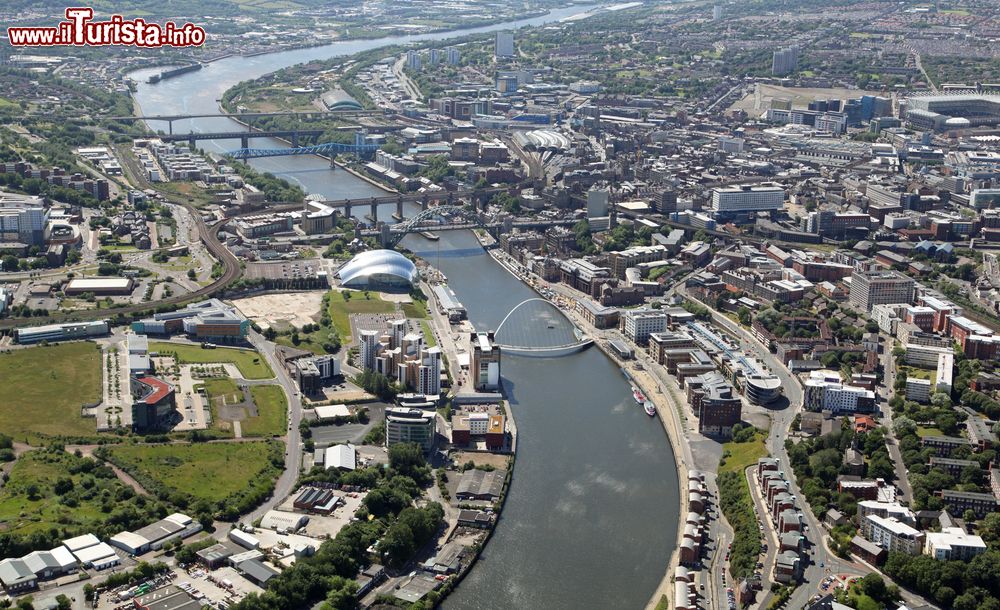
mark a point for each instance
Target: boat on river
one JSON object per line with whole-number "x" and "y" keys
{"x": 637, "y": 394}
{"x": 649, "y": 408}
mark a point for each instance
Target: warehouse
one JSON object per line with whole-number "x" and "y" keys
{"x": 155, "y": 535}
{"x": 105, "y": 286}
{"x": 168, "y": 598}
{"x": 256, "y": 571}
{"x": 283, "y": 522}
{"x": 16, "y": 576}
{"x": 98, "y": 556}
{"x": 214, "y": 556}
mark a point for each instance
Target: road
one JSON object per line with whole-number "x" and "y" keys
{"x": 781, "y": 418}
{"x": 293, "y": 441}
{"x": 892, "y": 443}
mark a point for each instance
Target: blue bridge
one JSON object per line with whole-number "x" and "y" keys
{"x": 363, "y": 150}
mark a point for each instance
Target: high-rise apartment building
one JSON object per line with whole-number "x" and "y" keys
{"x": 785, "y": 61}
{"x": 452, "y": 56}
{"x": 369, "y": 349}
{"x": 504, "y": 46}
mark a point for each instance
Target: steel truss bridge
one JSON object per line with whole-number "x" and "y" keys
{"x": 317, "y": 149}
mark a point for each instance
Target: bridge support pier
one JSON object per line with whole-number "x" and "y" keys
{"x": 424, "y": 203}
{"x": 374, "y": 211}
{"x": 170, "y": 127}
{"x": 347, "y": 209}
{"x": 191, "y": 142}
{"x": 295, "y": 139}
{"x": 245, "y": 142}
{"x": 399, "y": 207}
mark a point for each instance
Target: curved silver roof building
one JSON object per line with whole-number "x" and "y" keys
{"x": 378, "y": 268}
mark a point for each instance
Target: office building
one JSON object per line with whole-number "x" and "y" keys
{"x": 892, "y": 535}
{"x": 504, "y": 46}
{"x": 785, "y": 61}
{"x": 410, "y": 426}
{"x": 311, "y": 373}
{"x": 208, "y": 321}
{"x": 715, "y": 402}
{"x": 61, "y": 332}
{"x": 484, "y": 366}
{"x": 953, "y": 544}
{"x": 597, "y": 203}
{"x": 153, "y": 404}
{"x": 877, "y": 287}
{"x": 746, "y": 199}
{"x": 639, "y": 324}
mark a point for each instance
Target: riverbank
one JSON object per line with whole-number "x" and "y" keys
{"x": 668, "y": 412}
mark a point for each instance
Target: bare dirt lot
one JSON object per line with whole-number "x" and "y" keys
{"x": 760, "y": 101}
{"x": 282, "y": 310}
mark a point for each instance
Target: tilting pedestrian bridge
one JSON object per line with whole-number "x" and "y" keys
{"x": 536, "y": 327}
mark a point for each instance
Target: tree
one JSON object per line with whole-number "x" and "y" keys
{"x": 270, "y": 334}
{"x": 9, "y": 263}
{"x": 63, "y": 602}
{"x": 902, "y": 426}
{"x": 408, "y": 460}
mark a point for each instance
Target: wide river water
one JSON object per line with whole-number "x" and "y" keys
{"x": 591, "y": 517}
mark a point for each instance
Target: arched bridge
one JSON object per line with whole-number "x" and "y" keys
{"x": 580, "y": 341}
{"x": 468, "y": 218}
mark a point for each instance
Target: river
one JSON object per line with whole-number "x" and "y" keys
{"x": 591, "y": 517}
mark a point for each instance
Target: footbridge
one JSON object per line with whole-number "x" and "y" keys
{"x": 569, "y": 339}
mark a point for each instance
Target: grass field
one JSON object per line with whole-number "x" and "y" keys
{"x": 224, "y": 390}
{"x": 251, "y": 364}
{"x": 340, "y": 309}
{"x": 428, "y": 335}
{"x": 927, "y": 431}
{"x": 742, "y": 455}
{"x": 415, "y": 310}
{"x": 272, "y": 412}
{"x": 42, "y": 389}
{"x": 208, "y": 471}
{"x": 22, "y": 512}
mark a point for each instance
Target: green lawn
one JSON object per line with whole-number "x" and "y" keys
{"x": 340, "y": 309}
{"x": 208, "y": 471}
{"x": 223, "y": 390}
{"x": 43, "y": 388}
{"x": 415, "y": 310}
{"x": 428, "y": 335}
{"x": 742, "y": 455}
{"x": 23, "y": 513}
{"x": 928, "y": 431}
{"x": 272, "y": 412}
{"x": 251, "y": 364}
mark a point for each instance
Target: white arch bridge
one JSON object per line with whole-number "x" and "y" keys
{"x": 515, "y": 340}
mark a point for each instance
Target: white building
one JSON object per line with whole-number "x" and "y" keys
{"x": 887, "y": 509}
{"x": 504, "y": 46}
{"x": 638, "y": 324}
{"x": 22, "y": 219}
{"x": 452, "y": 56}
{"x": 926, "y": 356}
{"x": 823, "y": 391}
{"x": 369, "y": 349}
{"x": 429, "y": 372}
{"x": 953, "y": 544}
{"x": 892, "y": 535}
{"x": 597, "y": 203}
{"x": 747, "y": 198}
{"x": 945, "y": 372}
{"x": 918, "y": 389}
{"x": 888, "y": 316}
